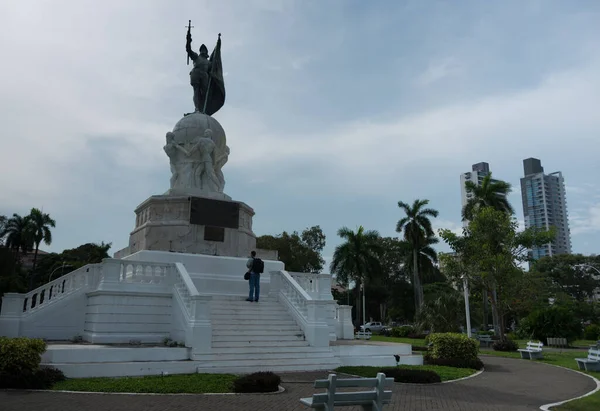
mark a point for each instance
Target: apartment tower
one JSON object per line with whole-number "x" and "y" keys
{"x": 545, "y": 206}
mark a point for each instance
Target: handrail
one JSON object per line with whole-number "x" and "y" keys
{"x": 185, "y": 276}
{"x": 84, "y": 277}
{"x": 295, "y": 284}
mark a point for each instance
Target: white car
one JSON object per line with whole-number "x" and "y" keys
{"x": 374, "y": 327}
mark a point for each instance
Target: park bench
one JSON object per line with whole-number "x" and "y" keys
{"x": 557, "y": 342}
{"x": 363, "y": 335}
{"x": 592, "y": 362}
{"x": 485, "y": 339}
{"x": 533, "y": 351}
{"x": 373, "y": 400}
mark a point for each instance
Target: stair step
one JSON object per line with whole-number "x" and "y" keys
{"x": 218, "y": 327}
{"x": 253, "y": 322}
{"x": 257, "y": 338}
{"x": 257, "y": 362}
{"x": 264, "y": 356}
{"x": 258, "y": 333}
{"x": 245, "y": 317}
{"x": 251, "y": 343}
{"x": 250, "y": 350}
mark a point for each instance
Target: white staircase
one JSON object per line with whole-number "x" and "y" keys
{"x": 263, "y": 336}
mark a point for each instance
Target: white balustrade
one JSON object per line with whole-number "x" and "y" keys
{"x": 343, "y": 321}
{"x": 144, "y": 272}
{"x": 83, "y": 278}
{"x": 310, "y": 314}
{"x": 318, "y": 286}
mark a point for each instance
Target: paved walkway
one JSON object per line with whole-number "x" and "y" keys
{"x": 507, "y": 384}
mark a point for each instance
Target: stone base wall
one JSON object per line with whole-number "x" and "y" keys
{"x": 163, "y": 224}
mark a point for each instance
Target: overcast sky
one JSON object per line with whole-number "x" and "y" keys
{"x": 335, "y": 110}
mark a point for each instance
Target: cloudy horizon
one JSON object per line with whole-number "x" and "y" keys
{"x": 335, "y": 110}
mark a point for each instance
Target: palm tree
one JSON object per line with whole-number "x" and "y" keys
{"x": 17, "y": 231}
{"x": 417, "y": 227}
{"x": 491, "y": 193}
{"x": 357, "y": 259}
{"x": 2, "y": 224}
{"x": 426, "y": 259}
{"x": 40, "y": 227}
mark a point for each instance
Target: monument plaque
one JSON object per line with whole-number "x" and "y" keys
{"x": 214, "y": 213}
{"x": 214, "y": 234}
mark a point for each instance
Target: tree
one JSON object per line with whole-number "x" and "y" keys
{"x": 489, "y": 194}
{"x": 357, "y": 259}
{"x": 3, "y": 220}
{"x": 70, "y": 260}
{"x": 18, "y": 234}
{"x": 299, "y": 252}
{"x": 444, "y": 313}
{"x": 492, "y": 194}
{"x": 568, "y": 273}
{"x": 489, "y": 254}
{"x": 40, "y": 224}
{"x": 417, "y": 228}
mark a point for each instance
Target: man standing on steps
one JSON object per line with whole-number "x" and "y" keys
{"x": 256, "y": 266}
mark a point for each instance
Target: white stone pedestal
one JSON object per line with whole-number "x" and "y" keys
{"x": 197, "y": 225}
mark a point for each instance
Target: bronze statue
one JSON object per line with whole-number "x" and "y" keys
{"x": 206, "y": 77}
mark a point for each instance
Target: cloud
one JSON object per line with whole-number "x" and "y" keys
{"x": 586, "y": 220}
{"x": 334, "y": 111}
{"x": 439, "y": 70}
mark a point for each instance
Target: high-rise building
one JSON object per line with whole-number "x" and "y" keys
{"x": 545, "y": 206}
{"x": 479, "y": 171}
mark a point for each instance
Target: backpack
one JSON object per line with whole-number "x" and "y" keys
{"x": 258, "y": 266}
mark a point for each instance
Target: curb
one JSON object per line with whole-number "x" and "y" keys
{"x": 425, "y": 385}
{"x": 547, "y": 407}
{"x": 183, "y": 394}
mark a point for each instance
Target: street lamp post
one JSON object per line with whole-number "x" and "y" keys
{"x": 363, "y": 305}
{"x": 62, "y": 267}
{"x": 467, "y": 309}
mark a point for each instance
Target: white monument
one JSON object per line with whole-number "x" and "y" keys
{"x": 195, "y": 215}
{"x": 181, "y": 280}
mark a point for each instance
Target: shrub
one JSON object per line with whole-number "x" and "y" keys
{"x": 40, "y": 379}
{"x": 420, "y": 348}
{"x": 485, "y": 333}
{"x": 474, "y": 364}
{"x": 417, "y": 336}
{"x": 402, "y": 332}
{"x": 20, "y": 355}
{"x": 453, "y": 345}
{"x": 257, "y": 382}
{"x": 505, "y": 345}
{"x": 555, "y": 322}
{"x": 592, "y": 332}
{"x": 412, "y": 376}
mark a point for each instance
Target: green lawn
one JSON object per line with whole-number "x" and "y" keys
{"x": 170, "y": 384}
{"x": 412, "y": 341}
{"x": 445, "y": 373}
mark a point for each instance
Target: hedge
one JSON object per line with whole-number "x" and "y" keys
{"x": 453, "y": 345}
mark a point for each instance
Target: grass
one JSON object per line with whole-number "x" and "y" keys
{"x": 412, "y": 341}
{"x": 170, "y": 384}
{"x": 445, "y": 373}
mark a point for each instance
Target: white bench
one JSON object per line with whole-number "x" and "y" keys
{"x": 592, "y": 362}
{"x": 557, "y": 342}
{"x": 485, "y": 339}
{"x": 533, "y": 351}
{"x": 370, "y": 400}
{"x": 363, "y": 335}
